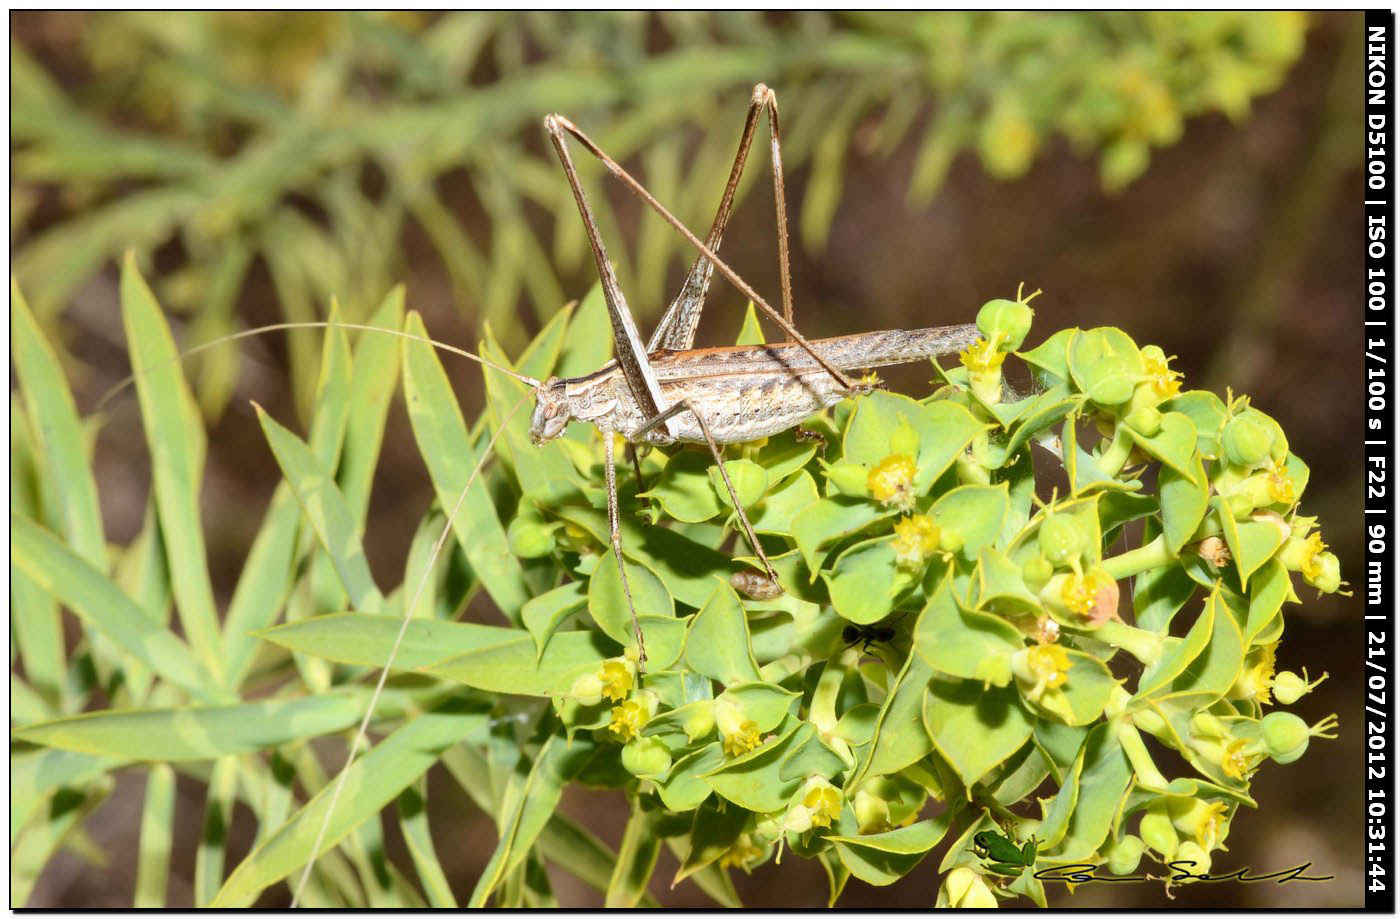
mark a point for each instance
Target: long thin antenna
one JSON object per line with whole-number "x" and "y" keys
{"x": 323, "y": 324}
{"x": 394, "y": 651}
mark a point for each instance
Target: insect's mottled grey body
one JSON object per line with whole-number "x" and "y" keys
{"x": 670, "y": 391}
{"x": 745, "y": 392}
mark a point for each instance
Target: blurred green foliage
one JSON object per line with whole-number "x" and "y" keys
{"x": 322, "y": 144}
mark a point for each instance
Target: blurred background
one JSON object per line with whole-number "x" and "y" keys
{"x": 1194, "y": 178}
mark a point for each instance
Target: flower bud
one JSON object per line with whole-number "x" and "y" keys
{"x": 530, "y": 537}
{"x": 964, "y": 888}
{"x": 1327, "y": 573}
{"x": 1036, "y": 571}
{"x": 646, "y": 756}
{"x": 1247, "y": 438}
{"x": 904, "y": 439}
{"x": 1285, "y": 736}
{"x": 1194, "y": 859}
{"x": 1124, "y": 855}
{"x": 1061, "y": 539}
{"x": 701, "y": 721}
{"x": 587, "y": 689}
{"x": 848, "y": 479}
{"x": 1289, "y": 687}
{"x": 1157, "y": 831}
{"x": 1006, "y": 322}
{"x": 1146, "y": 420}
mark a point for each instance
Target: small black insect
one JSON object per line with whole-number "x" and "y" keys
{"x": 867, "y": 635}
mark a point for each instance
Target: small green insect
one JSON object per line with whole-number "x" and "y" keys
{"x": 1005, "y": 856}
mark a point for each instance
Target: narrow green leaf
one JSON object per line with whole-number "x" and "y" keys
{"x": 58, "y": 432}
{"x": 45, "y": 831}
{"x": 372, "y": 781}
{"x": 209, "y": 732}
{"x": 413, "y": 820}
{"x": 175, "y": 438}
{"x": 529, "y": 802}
{"x": 157, "y": 829}
{"x": 442, "y": 440}
{"x": 325, "y": 507}
{"x": 83, "y": 589}
{"x": 373, "y": 379}
{"x": 636, "y": 860}
{"x": 213, "y": 837}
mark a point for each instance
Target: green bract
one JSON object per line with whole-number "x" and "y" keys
{"x": 952, "y": 657}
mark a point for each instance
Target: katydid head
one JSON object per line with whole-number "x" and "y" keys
{"x": 551, "y": 414}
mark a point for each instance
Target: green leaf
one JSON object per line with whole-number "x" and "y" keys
{"x": 175, "y": 437}
{"x": 96, "y": 600}
{"x": 684, "y": 789}
{"x": 975, "y": 513}
{"x": 1177, "y": 654}
{"x": 607, "y": 598}
{"x": 157, "y": 830}
{"x": 332, "y": 519}
{"x": 371, "y": 782}
{"x": 446, "y": 449}
{"x": 1101, "y": 784}
{"x": 686, "y": 567}
{"x": 40, "y": 837}
{"x": 530, "y": 800}
{"x": 830, "y": 520}
{"x": 975, "y": 728}
{"x": 373, "y": 379}
{"x": 1184, "y": 503}
{"x": 717, "y": 644}
{"x": 543, "y": 615}
{"x": 965, "y": 644}
{"x": 867, "y": 580}
{"x": 213, "y": 837}
{"x": 209, "y": 732}
{"x": 684, "y": 490}
{"x": 1174, "y": 444}
{"x": 754, "y": 781}
{"x": 413, "y": 821}
{"x": 765, "y": 704}
{"x": 776, "y": 511}
{"x": 883, "y": 858}
{"x": 896, "y": 742}
{"x": 636, "y": 860}
{"x": 488, "y": 657}
{"x": 58, "y": 433}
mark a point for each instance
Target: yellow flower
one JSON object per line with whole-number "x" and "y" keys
{"x": 741, "y": 741}
{"x": 1258, "y": 676}
{"x": 824, "y": 801}
{"x": 1236, "y": 761}
{"x": 1209, "y": 820}
{"x": 1165, "y": 381}
{"x": 740, "y": 853}
{"x": 617, "y": 679}
{"x": 1281, "y": 487}
{"x": 915, "y": 539}
{"x": 1312, "y": 550}
{"x": 1093, "y": 596}
{"x": 892, "y": 480}
{"x": 628, "y": 719}
{"x": 1050, "y": 665}
{"x": 982, "y": 356}
{"x": 1078, "y": 594}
